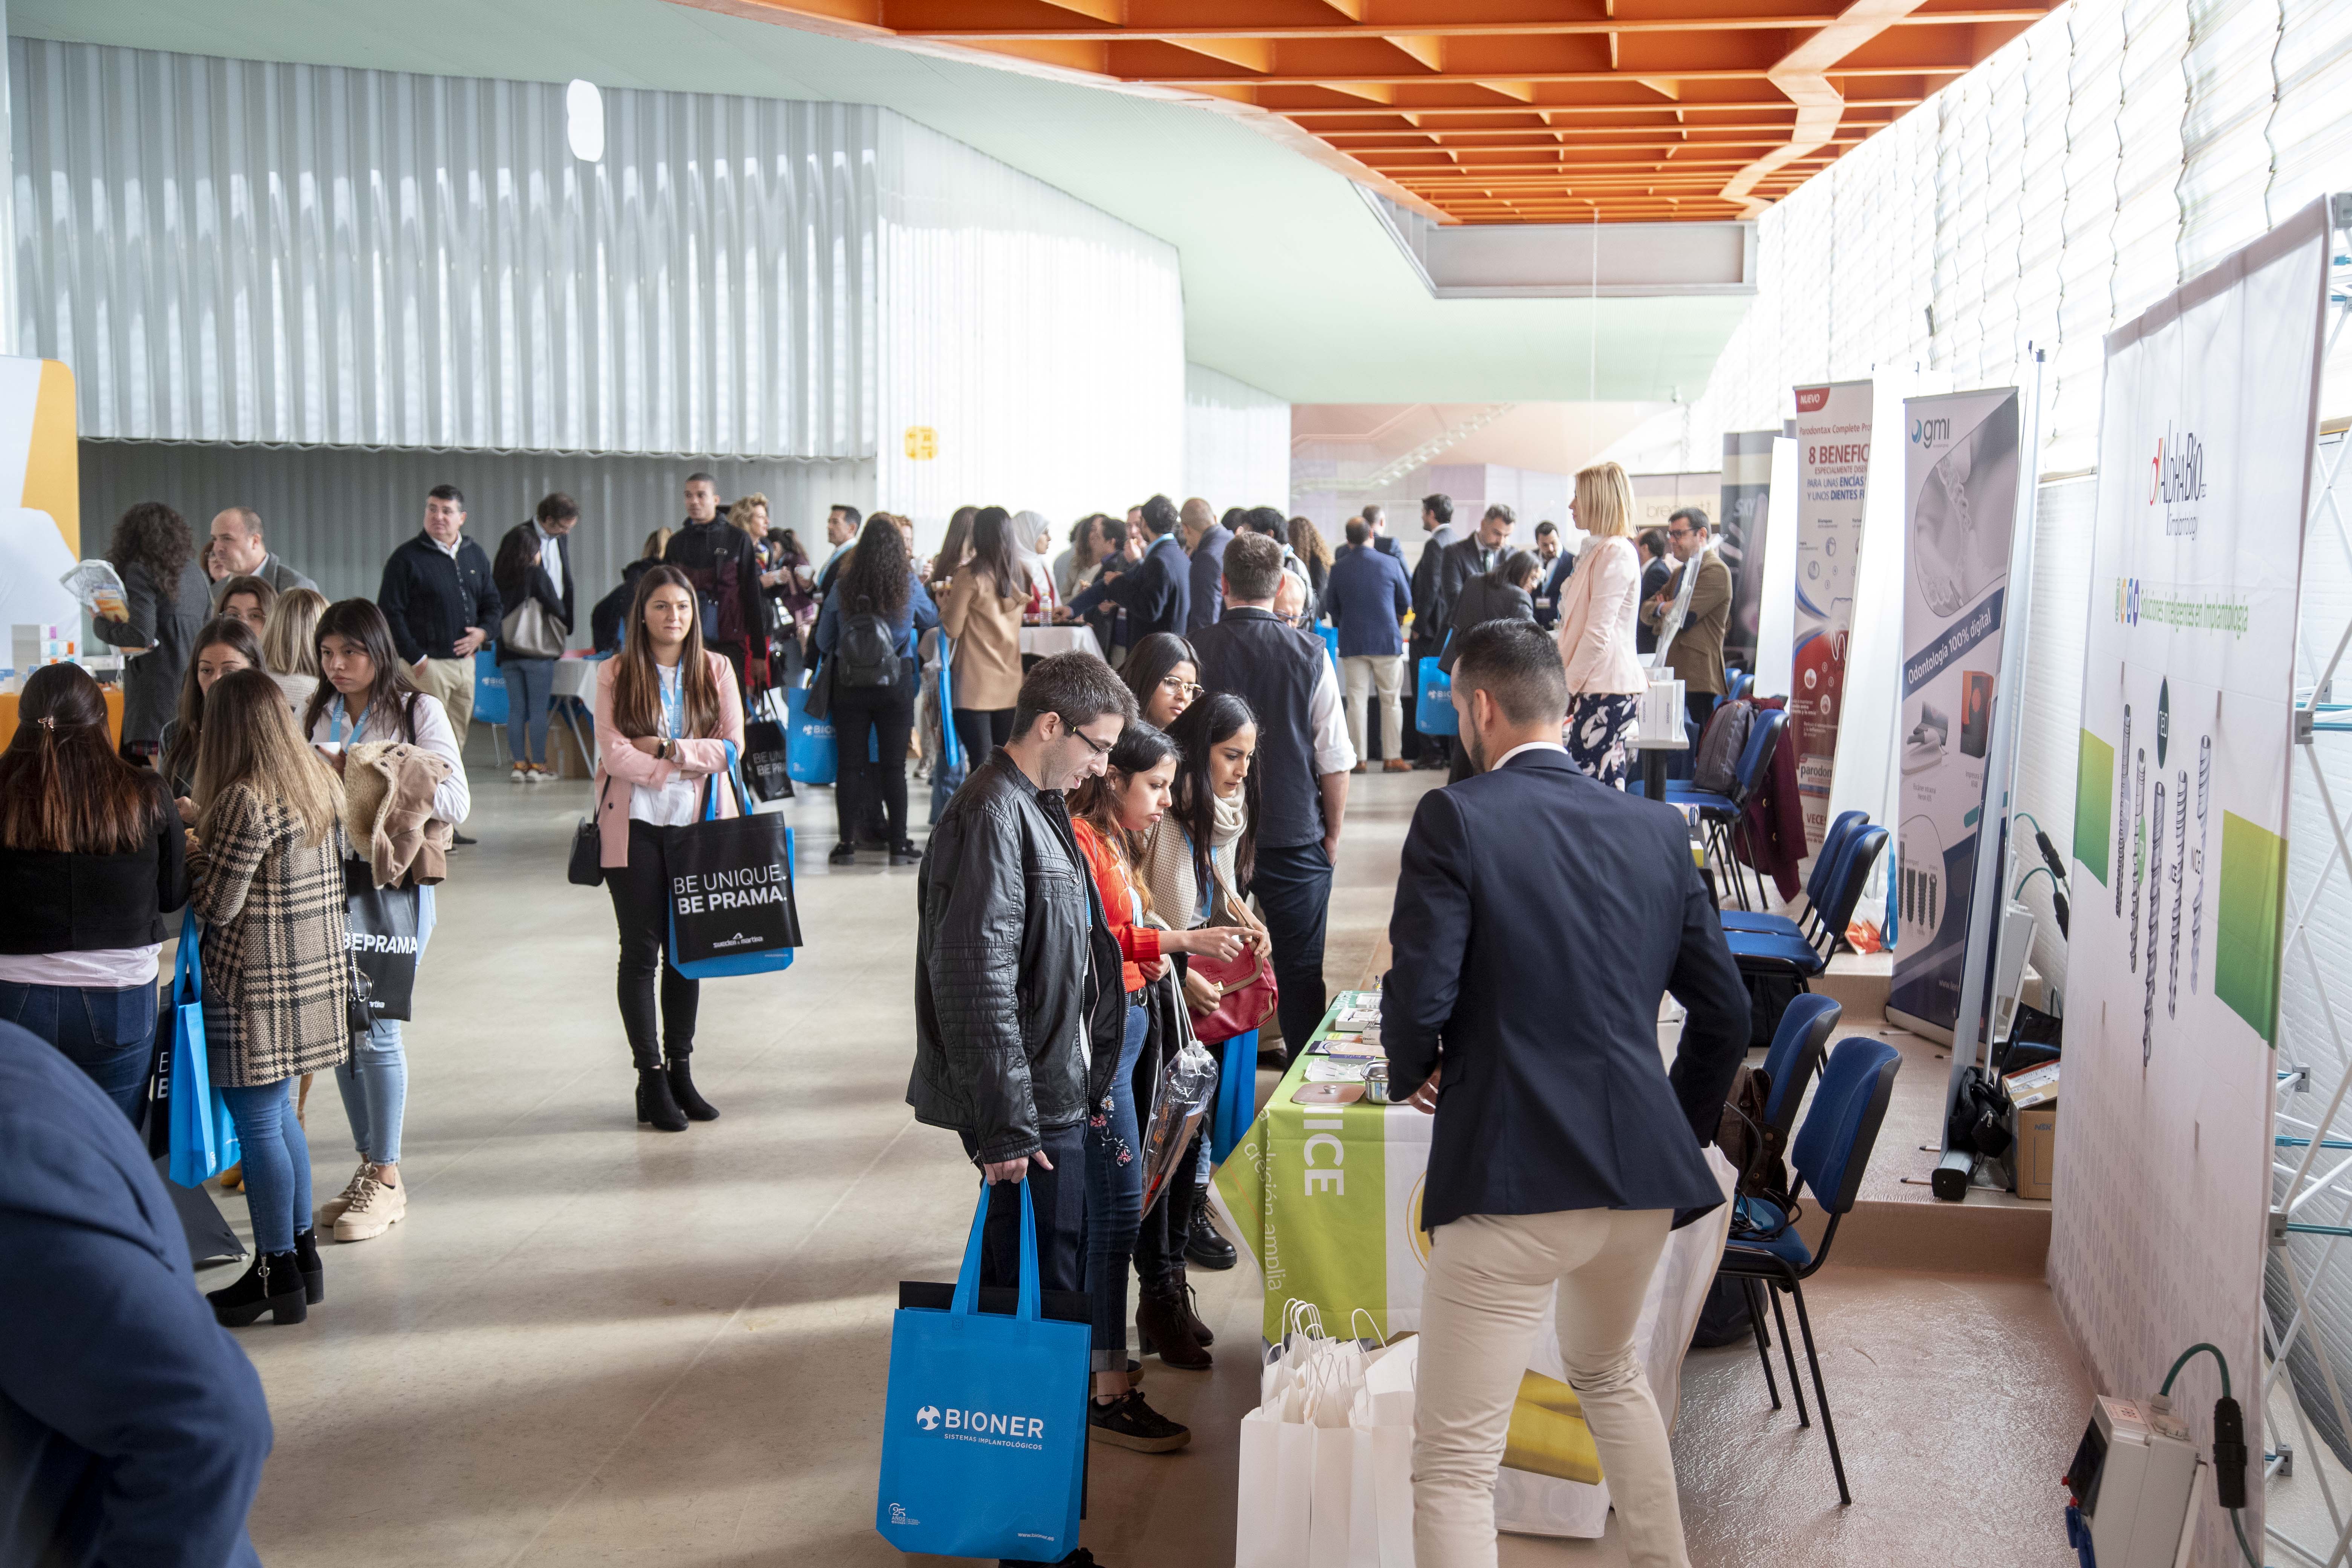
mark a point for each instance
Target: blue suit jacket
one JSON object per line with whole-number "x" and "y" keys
{"x": 1156, "y": 592}
{"x": 1368, "y": 596}
{"x": 1539, "y": 917}
{"x": 1208, "y": 574}
{"x": 132, "y": 1429}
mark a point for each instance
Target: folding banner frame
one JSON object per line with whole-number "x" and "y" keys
{"x": 2299, "y": 1141}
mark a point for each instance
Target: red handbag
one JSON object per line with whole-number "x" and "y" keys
{"x": 1247, "y": 992}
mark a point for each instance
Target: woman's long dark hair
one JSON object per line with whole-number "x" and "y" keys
{"x": 1510, "y": 566}
{"x": 63, "y": 790}
{"x": 991, "y": 551}
{"x": 636, "y": 679}
{"x": 359, "y": 621}
{"x": 152, "y": 535}
{"x": 1148, "y": 662}
{"x": 179, "y": 759}
{"x": 877, "y": 580}
{"x": 1141, "y": 747}
{"x": 951, "y": 547}
{"x": 1217, "y": 716}
{"x": 519, "y": 554}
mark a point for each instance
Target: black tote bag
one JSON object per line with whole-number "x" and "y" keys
{"x": 381, "y": 934}
{"x": 732, "y": 908}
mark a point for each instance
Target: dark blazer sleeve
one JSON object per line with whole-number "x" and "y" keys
{"x": 1429, "y": 934}
{"x": 1706, "y": 983}
{"x": 141, "y": 604}
{"x": 392, "y": 598}
{"x": 1201, "y": 610}
{"x": 170, "y": 856}
{"x": 118, "y": 1353}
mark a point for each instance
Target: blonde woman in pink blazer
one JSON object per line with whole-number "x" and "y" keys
{"x": 1598, "y": 605}
{"x": 666, "y": 709}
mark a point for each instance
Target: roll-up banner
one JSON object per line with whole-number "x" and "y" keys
{"x": 1959, "y": 493}
{"x": 1740, "y": 523}
{"x": 1832, "y": 479}
{"x": 2164, "y": 1152}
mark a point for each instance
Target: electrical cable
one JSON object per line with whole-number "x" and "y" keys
{"x": 2229, "y": 1445}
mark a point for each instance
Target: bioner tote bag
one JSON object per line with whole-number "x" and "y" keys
{"x": 810, "y": 756}
{"x": 731, "y": 909}
{"x": 204, "y": 1139}
{"x": 985, "y": 1429}
{"x": 1432, "y": 702}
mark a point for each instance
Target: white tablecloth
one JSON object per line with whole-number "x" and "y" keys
{"x": 575, "y": 677}
{"x": 1044, "y": 640}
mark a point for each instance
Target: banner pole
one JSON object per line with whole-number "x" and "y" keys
{"x": 1988, "y": 888}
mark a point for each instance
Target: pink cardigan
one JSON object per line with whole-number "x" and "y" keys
{"x": 1597, "y": 606}
{"x": 624, "y": 767}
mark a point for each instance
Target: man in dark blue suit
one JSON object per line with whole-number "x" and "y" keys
{"x": 1563, "y": 1148}
{"x": 1204, "y": 541}
{"x": 1155, "y": 591}
{"x": 132, "y": 1430}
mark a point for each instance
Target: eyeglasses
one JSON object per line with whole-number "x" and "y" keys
{"x": 1099, "y": 748}
{"x": 1188, "y": 690}
{"x": 1678, "y": 534}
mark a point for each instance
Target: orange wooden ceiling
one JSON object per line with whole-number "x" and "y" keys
{"x": 1505, "y": 110}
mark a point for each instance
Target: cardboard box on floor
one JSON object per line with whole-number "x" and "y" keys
{"x": 2034, "y": 1093}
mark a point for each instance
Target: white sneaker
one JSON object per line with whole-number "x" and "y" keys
{"x": 520, "y": 773}
{"x": 333, "y": 1209}
{"x": 541, "y": 773}
{"x": 374, "y": 1209}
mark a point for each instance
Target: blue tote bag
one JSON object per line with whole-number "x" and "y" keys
{"x": 204, "y": 1139}
{"x": 985, "y": 1431}
{"x": 1432, "y": 702}
{"x": 809, "y": 753}
{"x": 731, "y": 906}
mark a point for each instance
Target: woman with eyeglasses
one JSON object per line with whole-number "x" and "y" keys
{"x": 1164, "y": 673}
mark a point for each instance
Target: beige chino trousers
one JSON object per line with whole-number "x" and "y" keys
{"x": 1489, "y": 1276}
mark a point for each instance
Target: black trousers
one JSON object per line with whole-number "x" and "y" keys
{"x": 1059, "y": 1196}
{"x": 981, "y": 731}
{"x": 640, "y": 909}
{"x": 1293, "y": 886}
{"x": 1160, "y": 1244}
{"x": 859, "y": 716}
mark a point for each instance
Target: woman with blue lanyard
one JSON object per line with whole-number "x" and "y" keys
{"x": 368, "y": 694}
{"x": 667, "y": 712}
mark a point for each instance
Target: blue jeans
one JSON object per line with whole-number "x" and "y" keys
{"x": 373, "y": 1080}
{"x": 529, "y": 683}
{"x": 1115, "y": 1196}
{"x": 276, "y": 1162}
{"x": 108, "y": 1033}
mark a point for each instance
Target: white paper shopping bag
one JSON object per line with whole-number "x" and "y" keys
{"x": 1275, "y": 1497}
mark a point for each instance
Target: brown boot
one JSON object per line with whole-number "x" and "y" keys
{"x": 1159, "y": 1324}
{"x": 1192, "y": 1324}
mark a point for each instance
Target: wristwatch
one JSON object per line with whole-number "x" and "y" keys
{"x": 663, "y": 755}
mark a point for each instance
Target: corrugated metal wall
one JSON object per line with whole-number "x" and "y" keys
{"x": 228, "y": 251}
{"x": 335, "y": 515}
{"x": 1038, "y": 339}
{"x": 1236, "y": 441}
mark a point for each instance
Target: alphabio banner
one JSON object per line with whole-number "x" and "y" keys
{"x": 1959, "y": 499}
{"x": 1832, "y": 477}
{"x": 2179, "y": 855}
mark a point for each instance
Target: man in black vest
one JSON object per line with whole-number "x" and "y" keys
{"x": 1303, "y": 759}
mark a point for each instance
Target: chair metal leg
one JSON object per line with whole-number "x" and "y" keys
{"x": 1763, "y": 1350}
{"x": 1829, "y": 1428}
{"x": 1796, "y": 1390}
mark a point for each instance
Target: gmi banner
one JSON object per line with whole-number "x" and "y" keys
{"x": 2179, "y": 855}
{"x": 1832, "y": 476}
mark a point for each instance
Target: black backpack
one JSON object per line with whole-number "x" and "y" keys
{"x": 867, "y": 658}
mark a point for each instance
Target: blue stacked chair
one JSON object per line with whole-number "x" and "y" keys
{"x": 1722, "y": 813}
{"x": 1829, "y": 866}
{"x": 1803, "y": 954}
{"x": 1766, "y": 1252}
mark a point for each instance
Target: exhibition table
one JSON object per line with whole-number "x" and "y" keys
{"x": 113, "y": 714}
{"x": 1041, "y": 642}
{"x": 1328, "y": 1199}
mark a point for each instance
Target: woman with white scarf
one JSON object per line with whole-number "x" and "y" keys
{"x": 1197, "y": 862}
{"x": 1031, "y": 534}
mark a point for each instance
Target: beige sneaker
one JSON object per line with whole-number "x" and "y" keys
{"x": 374, "y": 1209}
{"x": 333, "y": 1209}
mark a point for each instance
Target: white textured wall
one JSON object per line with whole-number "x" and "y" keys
{"x": 1236, "y": 442}
{"x": 228, "y": 250}
{"x": 1042, "y": 341}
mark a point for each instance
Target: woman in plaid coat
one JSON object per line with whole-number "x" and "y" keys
{"x": 267, "y": 888}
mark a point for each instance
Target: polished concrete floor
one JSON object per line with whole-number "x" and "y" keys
{"x": 591, "y": 1343}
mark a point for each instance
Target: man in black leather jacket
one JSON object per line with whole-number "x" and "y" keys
{"x": 1018, "y": 1001}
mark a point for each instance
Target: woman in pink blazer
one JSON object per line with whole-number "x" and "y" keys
{"x": 666, "y": 709}
{"x": 1597, "y": 626}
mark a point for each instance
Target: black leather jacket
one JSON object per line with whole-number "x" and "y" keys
{"x": 1013, "y": 966}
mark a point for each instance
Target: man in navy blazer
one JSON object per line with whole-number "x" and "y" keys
{"x": 1204, "y": 540}
{"x": 1564, "y": 1146}
{"x": 1155, "y": 592}
{"x": 134, "y": 1429}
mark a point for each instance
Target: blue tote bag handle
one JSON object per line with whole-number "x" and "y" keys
{"x": 967, "y": 1290}
{"x": 735, "y": 776}
{"x": 950, "y": 746}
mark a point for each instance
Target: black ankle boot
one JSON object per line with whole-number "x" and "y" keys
{"x": 689, "y": 1100}
{"x": 305, "y": 1262}
{"x": 273, "y": 1285}
{"x": 1202, "y": 1243}
{"x": 656, "y": 1104}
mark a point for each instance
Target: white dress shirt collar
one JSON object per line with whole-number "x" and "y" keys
{"x": 1530, "y": 746}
